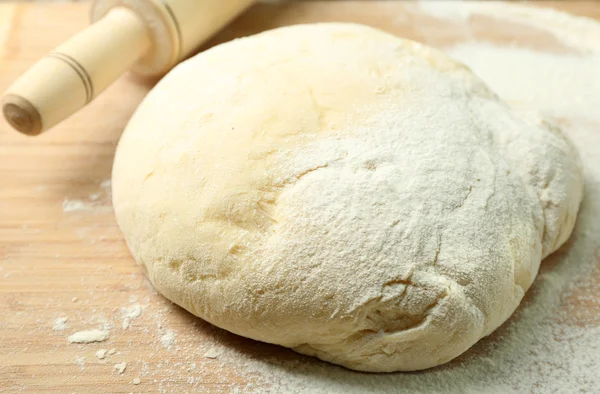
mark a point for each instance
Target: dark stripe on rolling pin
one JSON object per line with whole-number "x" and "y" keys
{"x": 78, "y": 68}
{"x": 83, "y": 74}
{"x": 176, "y": 22}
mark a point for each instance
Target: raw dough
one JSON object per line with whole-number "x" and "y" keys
{"x": 334, "y": 189}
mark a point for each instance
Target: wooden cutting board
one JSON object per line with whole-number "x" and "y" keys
{"x": 61, "y": 253}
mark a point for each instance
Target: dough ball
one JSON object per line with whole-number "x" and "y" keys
{"x": 340, "y": 191}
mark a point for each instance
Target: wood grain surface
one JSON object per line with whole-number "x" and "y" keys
{"x": 61, "y": 252}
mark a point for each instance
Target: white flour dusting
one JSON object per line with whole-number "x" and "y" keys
{"x": 81, "y": 362}
{"x": 120, "y": 367}
{"x": 93, "y": 203}
{"x": 88, "y": 336}
{"x": 60, "y": 324}
{"x": 212, "y": 353}
{"x": 130, "y": 313}
{"x": 576, "y": 32}
{"x": 101, "y": 354}
{"x": 168, "y": 339}
{"x": 563, "y": 86}
{"x": 75, "y": 205}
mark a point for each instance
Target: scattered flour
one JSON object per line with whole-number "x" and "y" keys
{"x": 120, "y": 367}
{"x": 112, "y": 351}
{"x": 136, "y": 381}
{"x": 541, "y": 80}
{"x": 444, "y": 9}
{"x": 88, "y": 336}
{"x": 60, "y": 324}
{"x": 574, "y": 31}
{"x": 92, "y": 203}
{"x": 212, "y": 353}
{"x": 101, "y": 354}
{"x": 81, "y": 362}
{"x": 168, "y": 339}
{"x": 130, "y": 313}
{"x": 75, "y": 205}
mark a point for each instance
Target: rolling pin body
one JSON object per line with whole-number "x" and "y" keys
{"x": 147, "y": 36}
{"x": 216, "y": 14}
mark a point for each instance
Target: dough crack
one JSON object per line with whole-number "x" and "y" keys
{"x": 412, "y": 322}
{"x": 406, "y": 282}
{"x": 438, "y": 249}
{"x": 306, "y": 172}
{"x": 465, "y": 198}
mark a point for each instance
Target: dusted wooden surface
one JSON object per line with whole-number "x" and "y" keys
{"x": 58, "y": 237}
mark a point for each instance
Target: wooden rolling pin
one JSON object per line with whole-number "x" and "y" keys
{"x": 147, "y": 36}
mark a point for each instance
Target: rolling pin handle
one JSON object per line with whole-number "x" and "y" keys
{"x": 22, "y": 115}
{"x": 70, "y": 77}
